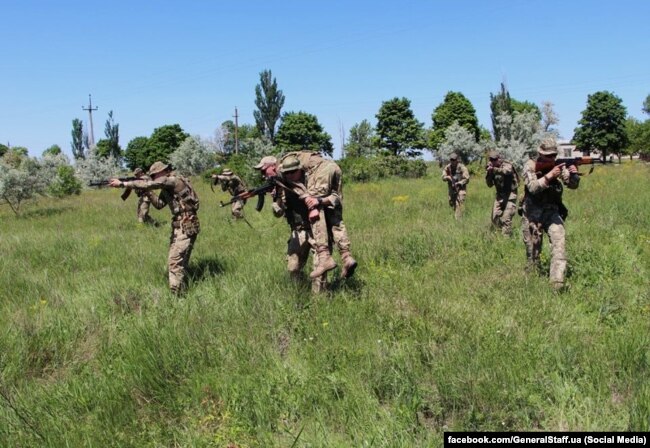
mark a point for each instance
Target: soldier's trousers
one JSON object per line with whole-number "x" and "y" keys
{"x": 330, "y": 224}
{"x": 143, "y": 210}
{"x": 534, "y": 224}
{"x": 457, "y": 202}
{"x": 503, "y": 211}
{"x": 299, "y": 245}
{"x": 180, "y": 249}
{"x": 237, "y": 209}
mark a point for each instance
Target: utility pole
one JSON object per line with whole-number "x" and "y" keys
{"x": 236, "y": 132}
{"x": 90, "y": 115}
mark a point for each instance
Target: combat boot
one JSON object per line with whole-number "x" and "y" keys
{"x": 349, "y": 264}
{"x": 325, "y": 262}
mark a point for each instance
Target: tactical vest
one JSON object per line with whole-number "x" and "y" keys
{"x": 186, "y": 198}
{"x": 505, "y": 183}
{"x": 296, "y": 211}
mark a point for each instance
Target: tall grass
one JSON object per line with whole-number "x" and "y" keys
{"x": 440, "y": 329}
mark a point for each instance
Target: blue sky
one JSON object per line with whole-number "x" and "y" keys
{"x": 192, "y": 62}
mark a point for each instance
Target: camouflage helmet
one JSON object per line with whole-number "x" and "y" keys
{"x": 547, "y": 147}
{"x": 158, "y": 167}
{"x": 289, "y": 163}
{"x": 138, "y": 172}
{"x": 453, "y": 156}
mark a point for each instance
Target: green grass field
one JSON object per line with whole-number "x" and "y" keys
{"x": 440, "y": 329}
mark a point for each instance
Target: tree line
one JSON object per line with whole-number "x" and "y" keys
{"x": 391, "y": 147}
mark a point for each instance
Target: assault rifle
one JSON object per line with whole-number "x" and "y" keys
{"x": 259, "y": 192}
{"x": 453, "y": 180}
{"x": 102, "y": 183}
{"x": 545, "y": 167}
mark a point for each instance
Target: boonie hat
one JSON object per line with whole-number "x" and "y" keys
{"x": 453, "y": 156}
{"x": 548, "y": 147}
{"x": 158, "y": 167}
{"x": 290, "y": 163}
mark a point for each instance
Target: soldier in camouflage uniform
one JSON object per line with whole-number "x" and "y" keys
{"x": 178, "y": 194}
{"x": 144, "y": 202}
{"x": 503, "y": 176}
{"x": 301, "y": 240}
{"x": 234, "y": 185}
{"x": 318, "y": 182}
{"x": 457, "y": 178}
{"x": 543, "y": 210}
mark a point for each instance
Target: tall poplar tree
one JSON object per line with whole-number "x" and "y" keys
{"x": 269, "y": 101}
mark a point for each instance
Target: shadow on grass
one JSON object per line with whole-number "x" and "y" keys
{"x": 205, "y": 268}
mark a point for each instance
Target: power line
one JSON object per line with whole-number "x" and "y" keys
{"x": 90, "y": 115}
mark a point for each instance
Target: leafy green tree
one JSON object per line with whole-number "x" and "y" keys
{"x": 103, "y": 148}
{"x": 525, "y": 106}
{"x": 52, "y": 150}
{"x": 245, "y": 132}
{"x": 300, "y": 130}
{"x": 646, "y": 105}
{"x": 65, "y": 183}
{"x": 500, "y": 103}
{"x": 77, "y": 139}
{"x": 112, "y": 133}
{"x": 602, "y": 126}
{"x": 3, "y": 149}
{"x": 135, "y": 154}
{"x": 96, "y": 168}
{"x": 269, "y": 101}
{"x": 361, "y": 142}
{"x": 398, "y": 130}
{"x": 455, "y": 108}
{"x": 639, "y": 137}
{"x": 143, "y": 152}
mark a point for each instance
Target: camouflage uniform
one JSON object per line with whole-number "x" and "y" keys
{"x": 144, "y": 203}
{"x": 178, "y": 194}
{"x": 457, "y": 180}
{"x": 301, "y": 240}
{"x": 543, "y": 211}
{"x": 234, "y": 185}
{"x": 323, "y": 180}
{"x": 505, "y": 180}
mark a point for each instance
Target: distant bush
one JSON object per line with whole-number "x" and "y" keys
{"x": 361, "y": 169}
{"x": 65, "y": 183}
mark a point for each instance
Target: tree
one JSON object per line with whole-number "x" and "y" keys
{"x": 269, "y": 101}
{"x": 639, "y": 137}
{"x": 52, "y": 150}
{"x": 135, "y": 153}
{"x": 77, "y": 139}
{"x": 143, "y": 152}
{"x": 300, "y": 130}
{"x": 526, "y": 134}
{"x": 525, "y": 106}
{"x": 96, "y": 168}
{"x": 602, "y": 126}
{"x": 112, "y": 133}
{"x": 361, "y": 140}
{"x": 455, "y": 108}
{"x": 20, "y": 181}
{"x": 59, "y": 176}
{"x": 192, "y": 157}
{"x": 549, "y": 118}
{"x": 3, "y": 149}
{"x": 460, "y": 140}
{"x": 646, "y": 105}
{"x": 398, "y": 130}
{"x": 499, "y": 104}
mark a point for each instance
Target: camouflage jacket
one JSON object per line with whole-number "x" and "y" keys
{"x": 175, "y": 191}
{"x": 504, "y": 178}
{"x": 541, "y": 193}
